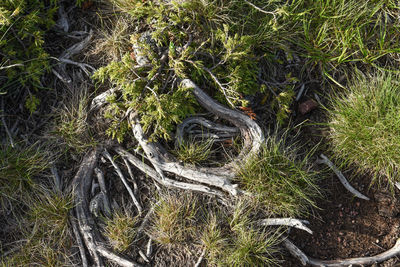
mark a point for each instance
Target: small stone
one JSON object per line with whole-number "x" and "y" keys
{"x": 307, "y": 106}
{"x": 377, "y": 241}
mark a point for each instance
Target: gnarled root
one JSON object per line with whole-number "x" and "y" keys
{"x": 87, "y": 227}
{"x": 304, "y": 259}
{"x": 217, "y": 177}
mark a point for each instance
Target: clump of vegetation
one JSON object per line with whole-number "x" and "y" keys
{"x": 18, "y": 166}
{"x": 45, "y": 231}
{"x": 365, "y": 128}
{"x": 23, "y": 24}
{"x": 280, "y": 182}
{"x": 336, "y": 32}
{"x": 238, "y": 243}
{"x": 193, "y": 151}
{"x": 174, "y": 219}
{"x": 71, "y": 123}
{"x": 120, "y": 230}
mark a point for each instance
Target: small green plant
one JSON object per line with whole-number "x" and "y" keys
{"x": 120, "y": 230}
{"x": 365, "y": 127}
{"x": 193, "y": 151}
{"x": 23, "y": 24}
{"x": 281, "y": 183}
{"x": 71, "y": 123}
{"x": 173, "y": 220}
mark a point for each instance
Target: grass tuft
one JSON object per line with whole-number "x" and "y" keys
{"x": 365, "y": 126}
{"x": 193, "y": 151}
{"x": 174, "y": 219}
{"x": 120, "y": 231}
{"x": 281, "y": 183}
{"x": 238, "y": 242}
{"x": 72, "y": 123}
{"x": 18, "y": 166}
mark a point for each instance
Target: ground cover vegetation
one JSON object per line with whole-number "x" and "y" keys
{"x": 200, "y": 161}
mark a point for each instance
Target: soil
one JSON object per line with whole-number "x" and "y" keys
{"x": 345, "y": 226}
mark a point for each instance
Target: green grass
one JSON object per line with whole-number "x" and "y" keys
{"x": 46, "y": 236}
{"x": 364, "y": 124}
{"x": 174, "y": 219}
{"x": 280, "y": 183}
{"x": 193, "y": 151}
{"x": 120, "y": 230}
{"x": 18, "y": 166}
{"x": 233, "y": 240}
{"x": 71, "y": 122}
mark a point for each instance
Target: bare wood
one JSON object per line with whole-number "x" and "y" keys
{"x": 205, "y": 123}
{"x": 296, "y": 223}
{"x": 144, "y": 257}
{"x": 82, "y": 183}
{"x": 135, "y": 186}
{"x": 149, "y": 248}
{"x": 198, "y": 262}
{"x": 78, "y": 47}
{"x": 160, "y": 162}
{"x": 79, "y": 243}
{"x": 81, "y": 188}
{"x": 296, "y": 252}
{"x": 341, "y": 177}
{"x": 115, "y": 258}
{"x": 101, "y": 99}
{"x": 166, "y": 181}
{"x": 119, "y": 172}
{"x": 251, "y": 132}
{"x": 103, "y": 188}
{"x": 394, "y": 251}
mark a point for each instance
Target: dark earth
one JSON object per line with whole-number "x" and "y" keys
{"x": 345, "y": 226}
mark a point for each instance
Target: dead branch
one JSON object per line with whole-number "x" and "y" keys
{"x": 304, "y": 259}
{"x": 81, "y": 184}
{"x": 232, "y": 131}
{"x": 251, "y": 132}
{"x": 78, "y": 47}
{"x": 149, "y": 248}
{"x": 103, "y": 188}
{"x": 79, "y": 242}
{"x": 161, "y": 163}
{"x": 218, "y": 177}
{"x": 115, "y": 258}
{"x": 135, "y": 186}
{"x": 296, "y": 223}
{"x": 81, "y": 187}
{"x": 144, "y": 257}
{"x": 119, "y": 172}
{"x": 166, "y": 181}
{"x": 198, "y": 262}
{"x": 101, "y": 99}
{"x": 341, "y": 177}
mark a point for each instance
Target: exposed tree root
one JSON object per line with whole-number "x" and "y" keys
{"x": 341, "y": 177}
{"x": 304, "y": 259}
{"x": 81, "y": 187}
{"x": 164, "y": 181}
{"x": 296, "y": 223}
{"x": 119, "y": 172}
{"x": 218, "y": 131}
